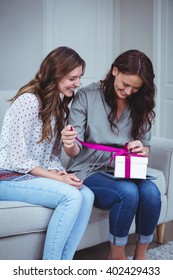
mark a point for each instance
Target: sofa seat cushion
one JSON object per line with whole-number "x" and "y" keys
{"x": 22, "y": 218}
{"x": 98, "y": 214}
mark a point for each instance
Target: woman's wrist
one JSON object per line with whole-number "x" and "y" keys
{"x": 71, "y": 149}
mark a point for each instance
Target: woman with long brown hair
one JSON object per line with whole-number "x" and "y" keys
{"x": 124, "y": 113}
{"x": 30, "y": 168}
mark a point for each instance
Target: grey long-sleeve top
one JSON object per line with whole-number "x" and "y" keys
{"x": 89, "y": 116}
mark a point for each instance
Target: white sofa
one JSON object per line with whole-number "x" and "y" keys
{"x": 23, "y": 226}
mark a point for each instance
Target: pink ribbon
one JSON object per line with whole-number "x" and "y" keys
{"x": 117, "y": 152}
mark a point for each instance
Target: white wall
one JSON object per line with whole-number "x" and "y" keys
{"x": 21, "y": 36}
{"x": 21, "y": 40}
{"x": 136, "y": 23}
{"x": 165, "y": 72}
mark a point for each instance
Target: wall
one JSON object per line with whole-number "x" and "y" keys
{"x": 21, "y": 49}
{"x": 165, "y": 73}
{"x": 136, "y": 24}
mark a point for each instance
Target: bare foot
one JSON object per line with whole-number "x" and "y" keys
{"x": 117, "y": 253}
{"x": 140, "y": 252}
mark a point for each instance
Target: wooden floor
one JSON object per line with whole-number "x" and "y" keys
{"x": 100, "y": 252}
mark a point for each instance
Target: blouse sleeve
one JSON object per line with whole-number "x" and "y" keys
{"x": 16, "y": 129}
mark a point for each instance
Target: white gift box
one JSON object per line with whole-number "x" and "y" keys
{"x": 136, "y": 167}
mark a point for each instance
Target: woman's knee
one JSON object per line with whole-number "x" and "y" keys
{"x": 87, "y": 195}
{"x": 87, "y": 192}
{"x": 130, "y": 195}
{"x": 74, "y": 194}
{"x": 149, "y": 189}
{"x": 59, "y": 193}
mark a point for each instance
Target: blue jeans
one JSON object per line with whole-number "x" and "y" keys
{"x": 72, "y": 209}
{"x": 127, "y": 199}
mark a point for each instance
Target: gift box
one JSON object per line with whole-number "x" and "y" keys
{"x": 131, "y": 167}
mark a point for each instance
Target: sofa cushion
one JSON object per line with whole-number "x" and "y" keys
{"x": 21, "y": 218}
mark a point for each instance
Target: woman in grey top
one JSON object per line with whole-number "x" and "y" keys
{"x": 113, "y": 112}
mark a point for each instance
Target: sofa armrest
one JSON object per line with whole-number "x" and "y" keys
{"x": 161, "y": 157}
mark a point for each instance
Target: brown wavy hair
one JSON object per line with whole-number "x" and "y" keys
{"x": 56, "y": 65}
{"x": 142, "y": 103}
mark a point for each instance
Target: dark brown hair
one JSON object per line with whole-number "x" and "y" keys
{"x": 56, "y": 65}
{"x": 133, "y": 62}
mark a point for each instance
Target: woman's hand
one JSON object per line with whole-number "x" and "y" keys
{"x": 71, "y": 179}
{"x": 68, "y": 136}
{"x": 62, "y": 176}
{"x": 138, "y": 148}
